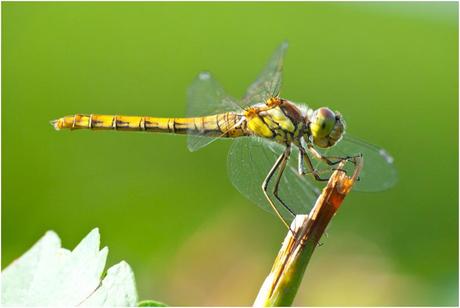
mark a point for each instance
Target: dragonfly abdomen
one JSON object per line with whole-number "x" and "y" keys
{"x": 220, "y": 125}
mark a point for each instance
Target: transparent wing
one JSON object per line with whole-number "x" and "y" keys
{"x": 379, "y": 172}
{"x": 206, "y": 97}
{"x": 268, "y": 84}
{"x": 249, "y": 161}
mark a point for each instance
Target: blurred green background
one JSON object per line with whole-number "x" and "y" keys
{"x": 192, "y": 239}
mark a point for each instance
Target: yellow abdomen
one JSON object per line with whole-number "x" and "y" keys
{"x": 219, "y": 125}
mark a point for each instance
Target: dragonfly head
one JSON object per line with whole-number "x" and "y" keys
{"x": 326, "y": 127}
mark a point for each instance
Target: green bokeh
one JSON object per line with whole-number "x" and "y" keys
{"x": 390, "y": 68}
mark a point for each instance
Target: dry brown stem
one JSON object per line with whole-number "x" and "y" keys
{"x": 280, "y": 286}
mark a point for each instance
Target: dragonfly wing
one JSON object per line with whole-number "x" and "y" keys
{"x": 268, "y": 84}
{"x": 206, "y": 97}
{"x": 249, "y": 161}
{"x": 379, "y": 172}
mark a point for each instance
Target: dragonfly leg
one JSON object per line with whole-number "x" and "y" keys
{"x": 312, "y": 170}
{"x": 279, "y": 161}
{"x": 328, "y": 159}
{"x": 278, "y": 180}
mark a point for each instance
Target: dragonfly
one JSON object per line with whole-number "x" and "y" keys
{"x": 281, "y": 150}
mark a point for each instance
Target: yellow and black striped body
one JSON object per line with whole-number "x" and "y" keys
{"x": 220, "y": 125}
{"x": 278, "y": 120}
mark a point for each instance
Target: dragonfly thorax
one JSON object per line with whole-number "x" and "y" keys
{"x": 280, "y": 120}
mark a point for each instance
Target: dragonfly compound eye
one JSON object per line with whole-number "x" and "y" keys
{"x": 326, "y": 127}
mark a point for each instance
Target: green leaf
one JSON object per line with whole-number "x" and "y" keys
{"x": 50, "y": 275}
{"x": 151, "y": 303}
